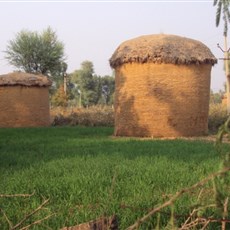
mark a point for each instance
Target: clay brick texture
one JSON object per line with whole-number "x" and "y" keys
{"x": 162, "y": 100}
{"x": 23, "y": 106}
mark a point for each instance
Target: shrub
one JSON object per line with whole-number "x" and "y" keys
{"x": 91, "y": 116}
{"x": 60, "y": 98}
{"x": 217, "y": 116}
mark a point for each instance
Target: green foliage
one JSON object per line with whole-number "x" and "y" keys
{"x": 36, "y": 53}
{"x": 223, "y": 130}
{"x": 221, "y": 184}
{"x": 82, "y": 170}
{"x": 86, "y": 84}
{"x": 107, "y": 90}
{"x": 91, "y": 89}
{"x": 59, "y": 98}
{"x": 217, "y": 116}
{"x": 222, "y": 8}
{"x": 216, "y": 98}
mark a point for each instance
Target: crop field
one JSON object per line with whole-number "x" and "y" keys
{"x": 83, "y": 173}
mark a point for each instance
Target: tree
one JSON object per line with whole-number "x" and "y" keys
{"x": 36, "y": 53}
{"x": 86, "y": 83}
{"x": 223, "y": 8}
{"x": 107, "y": 90}
{"x": 216, "y": 98}
{"x": 91, "y": 89}
{"x": 60, "y": 98}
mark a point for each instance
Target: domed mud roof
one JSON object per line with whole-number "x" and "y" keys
{"x": 24, "y": 79}
{"x": 162, "y": 48}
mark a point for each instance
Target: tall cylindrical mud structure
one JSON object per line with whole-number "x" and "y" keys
{"x": 162, "y": 86}
{"x": 24, "y": 100}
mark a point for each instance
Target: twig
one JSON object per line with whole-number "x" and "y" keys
{"x": 200, "y": 193}
{"x": 194, "y": 223}
{"x": 16, "y": 195}
{"x": 193, "y": 213}
{"x": 191, "y": 224}
{"x": 178, "y": 194}
{"x": 206, "y": 224}
{"x": 30, "y": 214}
{"x": 37, "y": 222}
{"x": 225, "y": 214}
{"x": 6, "y": 217}
{"x": 188, "y": 219}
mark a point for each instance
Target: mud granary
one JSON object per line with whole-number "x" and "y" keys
{"x": 24, "y": 100}
{"x": 162, "y": 86}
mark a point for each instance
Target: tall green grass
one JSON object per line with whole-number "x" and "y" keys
{"x": 87, "y": 173}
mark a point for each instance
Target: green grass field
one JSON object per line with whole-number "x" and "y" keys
{"x": 86, "y": 173}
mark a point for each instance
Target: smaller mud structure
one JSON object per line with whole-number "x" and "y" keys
{"x": 24, "y": 100}
{"x": 162, "y": 86}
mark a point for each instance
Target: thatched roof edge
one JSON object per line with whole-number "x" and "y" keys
{"x": 24, "y": 79}
{"x": 169, "y": 49}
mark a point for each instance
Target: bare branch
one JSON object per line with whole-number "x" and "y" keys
{"x": 6, "y": 217}
{"x": 225, "y": 214}
{"x": 205, "y": 225}
{"x": 16, "y": 195}
{"x": 37, "y": 222}
{"x": 30, "y": 214}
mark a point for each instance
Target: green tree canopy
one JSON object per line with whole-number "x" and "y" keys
{"x": 107, "y": 90}
{"x": 216, "y": 98}
{"x": 92, "y": 89}
{"x": 36, "y": 53}
{"x": 86, "y": 84}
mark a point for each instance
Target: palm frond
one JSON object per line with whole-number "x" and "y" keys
{"x": 215, "y": 2}
{"x": 225, "y": 24}
{"x": 218, "y": 13}
{"x": 226, "y": 10}
{"x": 226, "y": 15}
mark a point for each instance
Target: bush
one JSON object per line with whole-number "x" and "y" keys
{"x": 60, "y": 98}
{"x": 217, "y": 116}
{"x": 92, "y": 116}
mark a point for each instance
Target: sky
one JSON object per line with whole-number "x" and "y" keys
{"x": 92, "y": 30}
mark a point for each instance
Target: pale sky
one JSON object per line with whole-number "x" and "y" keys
{"x": 92, "y": 30}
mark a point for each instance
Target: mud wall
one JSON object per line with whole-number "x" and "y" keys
{"x": 23, "y": 106}
{"x": 162, "y": 100}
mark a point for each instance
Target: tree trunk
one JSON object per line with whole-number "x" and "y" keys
{"x": 227, "y": 73}
{"x": 65, "y": 83}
